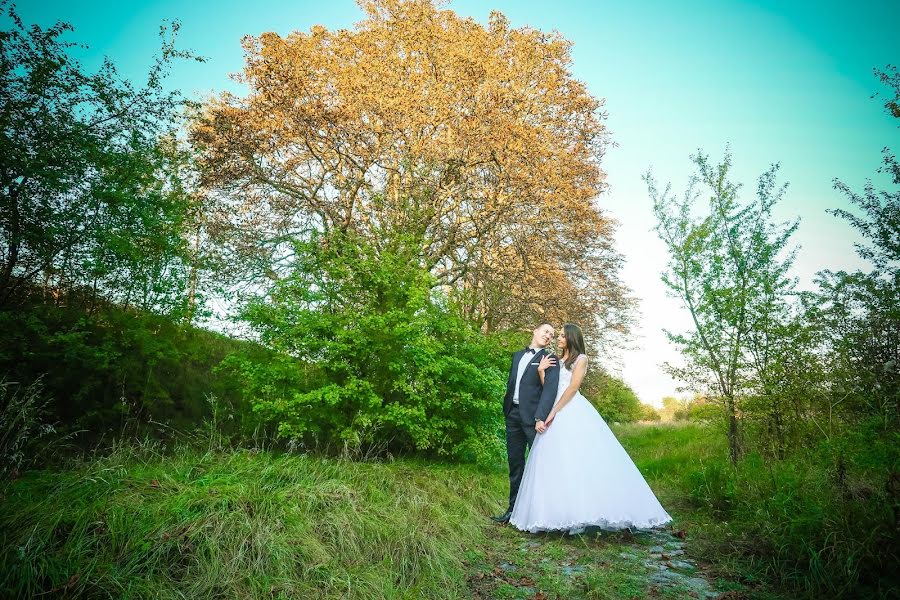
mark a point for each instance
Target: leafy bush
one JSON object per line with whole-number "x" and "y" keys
{"x": 93, "y": 190}
{"x": 114, "y": 368}
{"x": 612, "y": 397}
{"x": 398, "y": 368}
{"x": 649, "y": 413}
{"x": 699, "y": 409}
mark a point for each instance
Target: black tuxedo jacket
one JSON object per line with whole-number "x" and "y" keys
{"x": 535, "y": 400}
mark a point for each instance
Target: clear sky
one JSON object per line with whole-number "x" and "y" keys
{"x": 785, "y": 81}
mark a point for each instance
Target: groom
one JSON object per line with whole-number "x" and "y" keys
{"x": 525, "y": 406}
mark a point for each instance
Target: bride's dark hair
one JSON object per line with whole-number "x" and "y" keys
{"x": 574, "y": 343}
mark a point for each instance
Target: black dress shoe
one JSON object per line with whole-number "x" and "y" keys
{"x": 504, "y": 518}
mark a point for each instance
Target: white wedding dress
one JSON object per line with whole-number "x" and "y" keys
{"x": 578, "y": 475}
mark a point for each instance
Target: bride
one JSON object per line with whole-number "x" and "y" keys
{"x": 577, "y": 474}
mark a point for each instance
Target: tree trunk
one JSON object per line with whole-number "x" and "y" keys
{"x": 12, "y": 255}
{"x": 735, "y": 450}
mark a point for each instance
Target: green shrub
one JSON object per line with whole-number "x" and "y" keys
{"x": 821, "y": 523}
{"x": 649, "y": 413}
{"x": 113, "y": 369}
{"x": 703, "y": 411}
{"x": 398, "y": 369}
{"x": 612, "y": 397}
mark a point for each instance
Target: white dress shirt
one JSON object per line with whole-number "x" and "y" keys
{"x": 523, "y": 364}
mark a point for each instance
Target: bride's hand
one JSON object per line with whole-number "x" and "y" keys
{"x": 547, "y": 361}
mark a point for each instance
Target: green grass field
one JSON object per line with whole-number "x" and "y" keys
{"x": 241, "y": 523}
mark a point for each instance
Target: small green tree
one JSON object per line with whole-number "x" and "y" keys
{"x": 728, "y": 269}
{"x": 398, "y": 369}
{"x": 784, "y": 377}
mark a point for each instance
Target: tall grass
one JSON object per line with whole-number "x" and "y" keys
{"x": 242, "y": 524}
{"x": 823, "y": 522}
{"x": 207, "y": 521}
{"x": 24, "y": 432}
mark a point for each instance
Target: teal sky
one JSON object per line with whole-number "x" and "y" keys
{"x": 787, "y": 82}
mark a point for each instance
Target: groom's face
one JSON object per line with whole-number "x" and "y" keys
{"x": 543, "y": 335}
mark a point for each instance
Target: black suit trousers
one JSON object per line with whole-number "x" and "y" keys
{"x": 519, "y": 438}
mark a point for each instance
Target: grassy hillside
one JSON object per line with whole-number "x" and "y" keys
{"x": 243, "y": 524}
{"x": 254, "y": 524}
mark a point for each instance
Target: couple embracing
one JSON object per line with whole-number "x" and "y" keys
{"x": 577, "y": 475}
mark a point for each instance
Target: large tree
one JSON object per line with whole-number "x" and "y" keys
{"x": 476, "y": 140}
{"x": 89, "y": 190}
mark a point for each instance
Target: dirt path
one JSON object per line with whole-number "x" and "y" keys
{"x": 597, "y": 565}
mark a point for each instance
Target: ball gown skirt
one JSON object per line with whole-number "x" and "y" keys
{"x": 579, "y": 475}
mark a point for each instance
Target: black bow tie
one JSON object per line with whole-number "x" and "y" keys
{"x": 530, "y": 349}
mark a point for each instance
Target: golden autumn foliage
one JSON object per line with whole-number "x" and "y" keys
{"x": 477, "y": 141}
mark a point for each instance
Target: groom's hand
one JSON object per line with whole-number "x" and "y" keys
{"x": 540, "y": 427}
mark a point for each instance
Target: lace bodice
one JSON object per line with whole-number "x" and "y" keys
{"x": 565, "y": 375}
